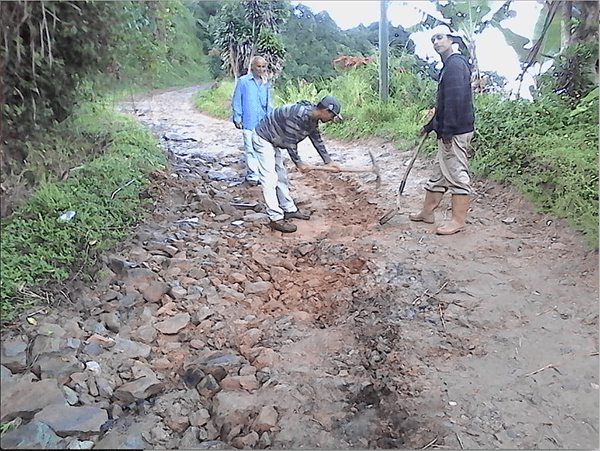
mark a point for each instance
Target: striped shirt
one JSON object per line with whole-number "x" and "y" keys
{"x": 286, "y": 126}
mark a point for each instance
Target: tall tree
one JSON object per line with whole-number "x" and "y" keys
{"x": 561, "y": 24}
{"x": 46, "y": 47}
{"x": 242, "y": 29}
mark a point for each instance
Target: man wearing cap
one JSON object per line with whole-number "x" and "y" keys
{"x": 453, "y": 123}
{"x": 284, "y": 128}
{"x": 251, "y": 102}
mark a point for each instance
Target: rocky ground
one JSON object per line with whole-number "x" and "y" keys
{"x": 208, "y": 330}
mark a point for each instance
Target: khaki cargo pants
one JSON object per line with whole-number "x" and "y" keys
{"x": 451, "y": 168}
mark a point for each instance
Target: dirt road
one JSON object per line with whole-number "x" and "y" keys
{"x": 350, "y": 334}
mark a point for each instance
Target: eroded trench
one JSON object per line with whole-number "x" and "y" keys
{"x": 381, "y": 373}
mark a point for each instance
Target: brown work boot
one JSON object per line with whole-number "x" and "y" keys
{"x": 432, "y": 201}
{"x": 295, "y": 215}
{"x": 283, "y": 226}
{"x": 460, "y": 206}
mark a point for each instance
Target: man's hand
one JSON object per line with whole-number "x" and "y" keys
{"x": 303, "y": 167}
{"x": 238, "y": 125}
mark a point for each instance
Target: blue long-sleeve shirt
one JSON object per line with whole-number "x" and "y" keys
{"x": 251, "y": 102}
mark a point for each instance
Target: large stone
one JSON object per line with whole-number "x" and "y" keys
{"x": 248, "y": 441}
{"x": 131, "y": 349}
{"x": 199, "y": 418}
{"x": 175, "y": 418}
{"x": 178, "y": 292}
{"x": 258, "y": 287}
{"x": 112, "y": 321}
{"x": 145, "y": 385}
{"x": 147, "y": 333}
{"x": 22, "y": 397}
{"x": 240, "y": 383}
{"x": 51, "y": 329}
{"x": 130, "y": 436}
{"x": 233, "y": 407}
{"x": 105, "y": 342}
{"x": 173, "y": 325}
{"x": 14, "y": 354}
{"x": 155, "y": 291}
{"x": 229, "y": 294}
{"x": 65, "y": 420}
{"x": 44, "y": 344}
{"x": 56, "y": 367}
{"x": 139, "y": 276}
{"x": 267, "y": 358}
{"x": 190, "y": 438}
{"x": 266, "y": 420}
{"x": 251, "y": 337}
{"x": 5, "y": 374}
{"x": 33, "y": 435}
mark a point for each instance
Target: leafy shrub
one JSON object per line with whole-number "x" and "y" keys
{"x": 545, "y": 149}
{"x": 574, "y": 72}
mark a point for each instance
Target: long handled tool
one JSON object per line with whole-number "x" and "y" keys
{"x": 375, "y": 169}
{"x": 390, "y": 214}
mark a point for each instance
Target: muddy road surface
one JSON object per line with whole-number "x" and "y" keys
{"x": 212, "y": 331}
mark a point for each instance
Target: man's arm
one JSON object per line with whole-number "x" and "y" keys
{"x": 236, "y": 103}
{"x": 269, "y": 98}
{"x": 317, "y": 140}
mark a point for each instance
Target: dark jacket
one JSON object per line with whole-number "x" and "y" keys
{"x": 454, "y": 109}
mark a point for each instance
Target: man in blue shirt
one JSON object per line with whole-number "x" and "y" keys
{"x": 251, "y": 102}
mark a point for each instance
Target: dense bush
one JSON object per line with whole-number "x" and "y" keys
{"x": 547, "y": 150}
{"x": 216, "y": 101}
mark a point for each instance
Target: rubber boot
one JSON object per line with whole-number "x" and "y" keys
{"x": 460, "y": 206}
{"x": 432, "y": 201}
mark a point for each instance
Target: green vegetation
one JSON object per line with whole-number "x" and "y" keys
{"x": 546, "y": 150}
{"x": 216, "y": 101}
{"x": 106, "y": 193}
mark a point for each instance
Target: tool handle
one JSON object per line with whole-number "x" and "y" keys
{"x": 410, "y": 164}
{"x": 341, "y": 169}
{"x": 401, "y": 187}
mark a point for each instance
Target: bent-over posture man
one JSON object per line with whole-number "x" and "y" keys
{"x": 454, "y": 125}
{"x": 284, "y": 128}
{"x": 251, "y": 103}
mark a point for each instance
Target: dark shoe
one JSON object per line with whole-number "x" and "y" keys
{"x": 252, "y": 183}
{"x": 283, "y": 226}
{"x": 296, "y": 215}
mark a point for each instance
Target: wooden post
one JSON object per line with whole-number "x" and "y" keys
{"x": 384, "y": 84}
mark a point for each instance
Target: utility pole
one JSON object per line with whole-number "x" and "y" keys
{"x": 384, "y": 84}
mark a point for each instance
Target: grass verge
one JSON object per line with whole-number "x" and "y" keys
{"x": 106, "y": 193}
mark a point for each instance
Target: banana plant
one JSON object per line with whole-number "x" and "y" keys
{"x": 560, "y": 24}
{"x": 471, "y": 18}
